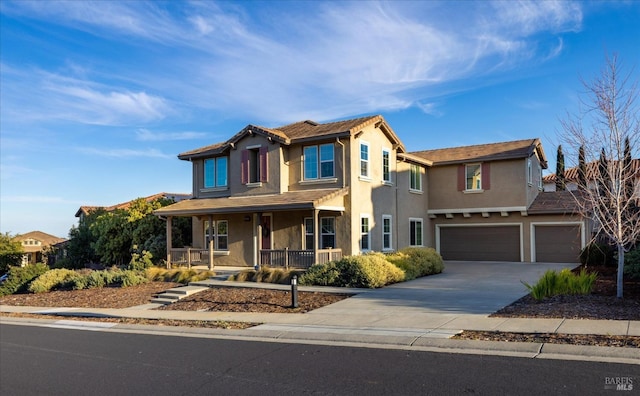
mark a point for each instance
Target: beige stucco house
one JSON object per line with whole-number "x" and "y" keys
{"x": 37, "y": 246}
{"x": 306, "y": 193}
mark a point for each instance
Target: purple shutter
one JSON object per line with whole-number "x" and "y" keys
{"x": 461, "y": 178}
{"x": 486, "y": 176}
{"x": 244, "y": 167}
{"x": 264, "y": 171}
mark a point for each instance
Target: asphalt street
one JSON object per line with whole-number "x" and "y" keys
{"x": 53, "y": 361}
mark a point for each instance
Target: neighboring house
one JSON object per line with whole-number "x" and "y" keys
{"x": 84, "y": 211}
{"x": 592, "y": 173}
{"x": 308, "y": 193}
{"x": 37, "y": 246}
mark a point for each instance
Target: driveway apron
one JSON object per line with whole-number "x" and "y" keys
{"x": 463, "y": 288}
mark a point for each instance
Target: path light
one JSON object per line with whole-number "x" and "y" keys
{"x": 294, "y": 291}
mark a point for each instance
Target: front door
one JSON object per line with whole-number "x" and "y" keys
{"x": 265, "y": 222}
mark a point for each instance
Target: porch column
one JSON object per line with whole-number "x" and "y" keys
{"x": 258, "y": 239}
{"x": 316, "y": 234}
{"x": 211, "y": 246}
{"x": 169, "y": 227}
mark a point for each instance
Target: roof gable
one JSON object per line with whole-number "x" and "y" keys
{"x": 298, "y": 132}
{"x": 46, "y": 239}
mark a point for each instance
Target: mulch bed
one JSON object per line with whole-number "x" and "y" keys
{"x": 552, "y": 338}
{"x": 240, "y": 299}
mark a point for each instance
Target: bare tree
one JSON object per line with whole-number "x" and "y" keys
{"x": 609, "y": 117}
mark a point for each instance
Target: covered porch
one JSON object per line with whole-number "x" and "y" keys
{"x": 289, "y": 230}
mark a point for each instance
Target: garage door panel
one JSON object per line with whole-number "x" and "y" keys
{"x": 485, "y": 243}
{"x": 558, "y": 243}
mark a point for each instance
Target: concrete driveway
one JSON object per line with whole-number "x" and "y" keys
{"x": 464, "y": 288}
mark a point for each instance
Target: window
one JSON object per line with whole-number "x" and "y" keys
{"x": 220, "y": 237}
{"x": 254, "y": 165}
{"x": 308, "y": 233}
{"x": 365, "y": 242}
{"x": 327, "y": 232}
{"x": 386, "y": 232}
{"x": 540, "y": 187}
{"x": 529, "y": 172}
{"x": 324, "y": 167}
{"x": 416, "y": 178}
{"x": 364, "y": 159}
{"x": 415, "y": 233}
{"x": 386, "y": 169}
{"x": 215, "y": 172}
{"x": 474, "y": 177}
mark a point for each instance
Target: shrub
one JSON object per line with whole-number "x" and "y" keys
{"x": 632, "y": 263}
{"x": 98, "y": 279}
{"x": 179, "y": 275}
{"x": 368, "y": 270}
{"x": 19, "y": 278}
{"x": 53, "y": 279}
{"x": 596, "y": 254}
{"x": 555, "y": 283}
{"x": 128, "y": 278}
{"x": 417, "y": 262}
{"x": 140, "y": 261}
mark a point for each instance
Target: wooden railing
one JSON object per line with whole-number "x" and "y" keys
{"x": 297, "y": 258}
{"x": 189, "y": 257}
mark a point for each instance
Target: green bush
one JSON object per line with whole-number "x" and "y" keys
{"x": 368, "y": 270}
{"x": 417, "y": 262}
{"x": 140, "y": 261}
{"x": 632, "y": 263}
{"x": 555, "y": 283}
{"x": 128, "y": 278}
{"x": 53, "y": 279}
{"x": 19, "y": 278}
{"x": 596, "y": 254}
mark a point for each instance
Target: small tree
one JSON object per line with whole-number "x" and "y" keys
{"x": 10, "y": 252}
{"x": 609, "y": 120}
{"x": 582, "y": 169}
{"x": 560, "y": 178}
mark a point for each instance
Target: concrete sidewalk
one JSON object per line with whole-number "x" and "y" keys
{"x": 423, "y": 313}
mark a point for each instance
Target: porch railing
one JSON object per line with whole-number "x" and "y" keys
{"x": 189, "y": 256}
{"x": 297, "y": 258}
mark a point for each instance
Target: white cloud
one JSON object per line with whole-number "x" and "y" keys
{"x": 146, "y": 135}
{"x": 38, "y": 199}
{"x": 124, "y": 153}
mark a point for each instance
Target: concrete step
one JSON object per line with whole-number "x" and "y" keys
{"x": 163, "y": 301}
{"x": 185, "y": 290}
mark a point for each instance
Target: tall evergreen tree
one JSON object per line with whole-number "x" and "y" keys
{"x": 582, "y": 169}
{"x": 560, "y": 178}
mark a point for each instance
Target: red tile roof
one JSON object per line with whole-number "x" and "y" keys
{"x": 571, "y": 174}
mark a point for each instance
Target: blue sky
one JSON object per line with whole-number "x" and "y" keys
{"x": 98, "y": 98}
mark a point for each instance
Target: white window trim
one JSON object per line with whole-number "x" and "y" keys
{"x": 529, "y": 172}
{"x": 215, "y": 235}
{"x": 472, "y": 190}
{"x": 322, "y": 234}
{"x": 319, "y": 178}
{"x": 366, "y": 177}
{"x": 388, "y": 152}
{"x": 367, "y": 234}
{"x": 421, "y": 221}
{"x": 390, "y": 233}
{"x": 305, "y": 233}
{"x": 419, "y": 168}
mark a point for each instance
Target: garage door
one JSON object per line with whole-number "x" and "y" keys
{"x": 486, "y": 243}
{"x": 557, "y": 244}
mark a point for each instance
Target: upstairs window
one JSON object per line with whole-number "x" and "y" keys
{"x": 529, "y": 172}
{"x": 254, "y": 165}
{"x": 386, "y": 167}
{"x": 416, "y": 178}
{"x": 319, "y": 162}
{"x": 364, "y": 160}
{"x": 215, "y": 172}
{"x": 473, "y": 177}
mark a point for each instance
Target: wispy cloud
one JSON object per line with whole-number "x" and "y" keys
{"x": 38, "y": 199}
{"x": 146, "y": 135}
{"x": 351, "y": 58}
{"x": 124, "y": 153}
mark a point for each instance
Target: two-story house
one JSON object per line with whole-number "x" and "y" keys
{"x": 306, "y": 193}
{"x": 38, "y": 247}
